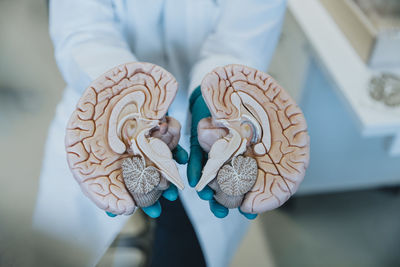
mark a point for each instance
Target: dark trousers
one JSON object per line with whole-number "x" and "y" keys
{"x": 175, "y": 242}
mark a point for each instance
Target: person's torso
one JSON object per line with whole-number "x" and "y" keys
{"x": 168, "y": 33}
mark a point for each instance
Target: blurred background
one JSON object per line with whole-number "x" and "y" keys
{"x": 340, "y": 59}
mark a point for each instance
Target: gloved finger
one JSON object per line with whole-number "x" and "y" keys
{"x": 180, "y": 155}
{"x": 206, "y": 194}
{"x": 112, "y": 215}
{"x": 249, "y": 216}
{"x": 154, "y": 210}
{"x": 195, "y": 165}
{"x": 218, "y": 210}
{"x": 198, "y": 108}
{"x": 171, "y": 193}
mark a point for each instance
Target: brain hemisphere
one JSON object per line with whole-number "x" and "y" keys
{"x": 94, "y": 164}
{"x": 282, "y": 167}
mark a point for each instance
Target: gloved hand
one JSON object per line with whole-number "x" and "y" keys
{"x": 198, "y": 156}
{"x": 181, "y": 157}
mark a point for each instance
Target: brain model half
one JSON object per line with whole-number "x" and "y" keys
{"x": 257, "y": 140}
{"x": 119, "y": 141}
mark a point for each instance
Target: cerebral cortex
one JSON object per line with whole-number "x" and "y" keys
{"x": 96, "y": 136}
{"x": 283, "y": 161}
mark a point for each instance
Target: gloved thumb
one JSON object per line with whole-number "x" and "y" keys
{"x": 195, "y": 165}
{"x": 180, "y": 155}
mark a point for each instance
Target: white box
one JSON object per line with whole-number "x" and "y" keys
{"x": 374, "y": 33}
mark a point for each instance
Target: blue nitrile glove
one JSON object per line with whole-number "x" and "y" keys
{"x": 198, "y": 157}
{"x": 180, "y": 156}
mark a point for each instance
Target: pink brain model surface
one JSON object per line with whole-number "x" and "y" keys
{"x": 119, "y": 141}
{"x": 256, "y": 139}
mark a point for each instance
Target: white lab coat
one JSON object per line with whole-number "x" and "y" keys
{"x": 189, "y": 39}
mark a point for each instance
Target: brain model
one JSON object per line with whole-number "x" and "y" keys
{"x": 119, "y": 141}
{"x": 257, "y": 140}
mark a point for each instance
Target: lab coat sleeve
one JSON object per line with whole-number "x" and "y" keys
{"x": 88, "y": 40}
{"x": 246, "y": 33}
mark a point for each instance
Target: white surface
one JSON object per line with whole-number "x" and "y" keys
{"x": 340, "y": 158}
{"x": 349, "y": 73}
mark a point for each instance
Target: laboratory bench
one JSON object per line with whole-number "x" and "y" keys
{"x": 355, "y": 140}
